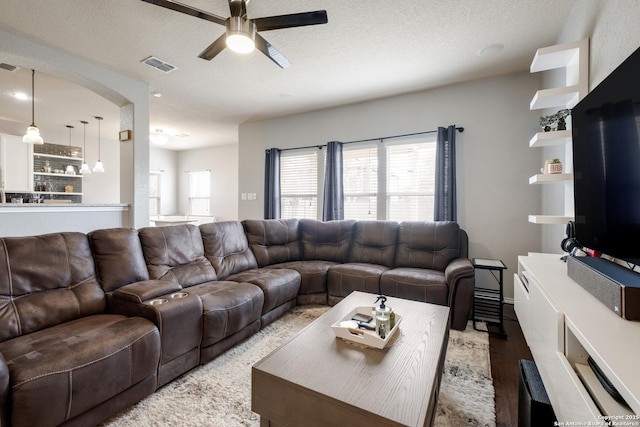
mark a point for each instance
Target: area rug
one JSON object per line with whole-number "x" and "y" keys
{"x": 219, "y": 393}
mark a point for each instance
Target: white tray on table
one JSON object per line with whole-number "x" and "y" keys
{"x": 364, "y": 336}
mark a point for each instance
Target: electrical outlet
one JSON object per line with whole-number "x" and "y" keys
{"x": 243, "y": 196}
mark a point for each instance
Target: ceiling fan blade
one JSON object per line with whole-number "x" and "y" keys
{"x": 265, "y": 47}
{"x": 214, "y": 48}
{"x": 179, "y": 7}
{"x": 291, "y": 20}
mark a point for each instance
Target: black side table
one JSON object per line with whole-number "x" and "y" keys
{"x": 488, "y": 302}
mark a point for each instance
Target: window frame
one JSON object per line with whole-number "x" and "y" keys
{"x": 198, "y": 197}
{"x": 319, "y": 180}
{"x": 155, "y": 200}
{"x": 382, "y": 193}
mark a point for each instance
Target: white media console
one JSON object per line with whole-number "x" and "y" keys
{"x": 563, "y": 325}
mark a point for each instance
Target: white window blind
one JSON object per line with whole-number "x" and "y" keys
{"x": 360, "y": 177}
{"x": 199, "y": 192}
{"x": 410, "y": 181}
{"x": 299, "y": 184}
{"x": 154, "y": 194}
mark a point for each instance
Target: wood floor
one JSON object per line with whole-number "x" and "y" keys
{"x": 505, "y": 353}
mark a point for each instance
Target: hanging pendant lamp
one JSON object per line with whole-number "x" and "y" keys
{"x": 98, "y": 167}
{"x": 69, "y": 170}
{"x": 85, "y": 167}
{"x": 33, "y": 133}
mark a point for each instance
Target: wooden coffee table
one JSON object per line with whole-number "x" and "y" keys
{"x": 316, "y": 379}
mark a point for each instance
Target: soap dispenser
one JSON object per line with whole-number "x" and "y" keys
{"x": 383, "y": 318}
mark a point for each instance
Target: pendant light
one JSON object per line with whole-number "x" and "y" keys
{"x": 33, "y": 133}
{"x": 98, "y": 167}
{"x": 85, "y": 167}
{"x": 69, "y": 170}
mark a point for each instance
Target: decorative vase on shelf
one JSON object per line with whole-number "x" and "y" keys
{"x": 561, "y": 118}
{"x": 562, "y": 124}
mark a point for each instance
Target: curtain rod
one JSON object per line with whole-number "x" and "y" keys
{"x": 319, "y": 147}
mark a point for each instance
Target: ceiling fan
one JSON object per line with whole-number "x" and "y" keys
{"x": 242, "y": 33}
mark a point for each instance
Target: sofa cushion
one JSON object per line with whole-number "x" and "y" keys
{"x": 227, "y": 308}
{"x": 313, "y": 274}
{"x": 430, "y": 245}
{"x": 326, "y": 241}
{"x": 273, "y": 241}
{"x": 416, "y": 284}
{"x": 227, "y": 248}
{"x": 78, "y": 365}
{"x": 118, "y": 256}
{"x": 176, "y": 253}
{"x": 374, "y": 242}
{"x": 278, "y": 286}
{"x": 44, "y": 281}
{"x": 346, "y": 278}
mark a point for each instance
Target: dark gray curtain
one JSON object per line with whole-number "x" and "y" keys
{"x": 272, "y": 184}
{"x": 445, "y": 206}
{"x": 333, "y": 207}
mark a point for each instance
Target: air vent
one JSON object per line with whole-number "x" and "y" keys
{"x": 161, "y": 65}
{"x": 181, "y": 135}
{"x": 7, "y": 67}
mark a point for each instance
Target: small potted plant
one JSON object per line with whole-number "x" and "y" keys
{"x": 555, "y": 166}
{"x": 546, "y": 123}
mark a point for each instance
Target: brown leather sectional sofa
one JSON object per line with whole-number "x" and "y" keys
{"x": 90, "y": 324}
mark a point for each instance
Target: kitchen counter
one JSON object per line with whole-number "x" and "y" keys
{"x": 61, "y": 207}
{"x": 29, "y": 219}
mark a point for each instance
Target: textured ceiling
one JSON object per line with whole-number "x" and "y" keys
{"x": 369, "y": 49}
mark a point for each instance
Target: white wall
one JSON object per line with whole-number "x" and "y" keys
{"x": 614, "y": 34}
{"x": 166, "y": 162}
{"x": 102, "y": 187}
{"x": 223, "y": 163}
{"x": 494, "y": 161}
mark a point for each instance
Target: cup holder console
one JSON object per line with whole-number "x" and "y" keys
{"x": 178, "y": 295}
{"x": 175, "y": 295}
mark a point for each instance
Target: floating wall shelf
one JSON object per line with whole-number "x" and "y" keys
{"x": 574, "y": 58}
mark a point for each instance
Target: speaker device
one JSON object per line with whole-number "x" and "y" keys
{"x": 615, "y": 286}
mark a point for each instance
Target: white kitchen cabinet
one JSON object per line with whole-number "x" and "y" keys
{"x": 16, "y": 165}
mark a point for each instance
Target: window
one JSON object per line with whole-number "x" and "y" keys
{"x": 360, "y": 178}
{"x": 299, "y": 184}
{"x": 199, "y": 192}
{"x": 394, "y": 180}
{"x": 154, "y": 193}
{"x": 410, "y": 181}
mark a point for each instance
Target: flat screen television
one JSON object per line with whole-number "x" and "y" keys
{"x": 606, "y": 164}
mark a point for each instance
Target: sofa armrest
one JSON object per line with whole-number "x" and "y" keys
{"x": 178, "y": 316}
{"x": 457, "y": 269}
{"x": 145, "y": 290}
{"x": 4, "y": 393}
{"x": 460, "y": 277}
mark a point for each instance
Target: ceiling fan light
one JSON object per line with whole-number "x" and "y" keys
{"x": 33, "y": 135}
{"x": 241, "y": 35}
{"x": 159, "y": 139}
{"x": 240, "y": 43}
